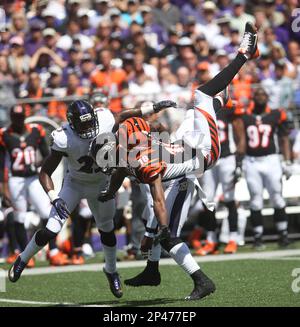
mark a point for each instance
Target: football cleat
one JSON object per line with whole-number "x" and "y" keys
{"x": 208, "y": 248}
{"x": 114, "y": 283}
{"x": 203, "y": 286}
{"x": 248, "y": 46}
{"x": 145, "y": 278}
{"x": 258, "y": 244}
{"x": 77, "y": 259}
{"x": 231, "y": 247}
{"x": 59, "y": 259}
{"x": 16, "y": 270}
{"x": 283, "y": 240}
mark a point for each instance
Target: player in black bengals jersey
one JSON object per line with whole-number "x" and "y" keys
{"x": 262, "y": 164}
{"x": 20, "y": 144}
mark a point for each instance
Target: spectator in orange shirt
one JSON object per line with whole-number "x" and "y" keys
{"x": 112, "y": 80}
{"x": 56, "y": 109}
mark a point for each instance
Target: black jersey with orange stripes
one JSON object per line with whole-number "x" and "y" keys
{"x": 224, "y": 118}
{"x": 148, "y": 156}
{"x": 261, "y": 128}
{"x": 22, "y": 150}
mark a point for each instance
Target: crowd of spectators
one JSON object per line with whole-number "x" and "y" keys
{"x": 136, "y": 50}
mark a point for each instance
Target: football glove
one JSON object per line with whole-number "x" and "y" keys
{"x": 287, "y": 169}
{"x": 163, "y": 105}
{"x": 61, "y": 208}
{"x": 238, "y": 172}
{"x": 163, "y": 234}
{"x": 105, "y": 196}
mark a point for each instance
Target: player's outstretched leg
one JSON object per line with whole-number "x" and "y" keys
{"x": 247, "y": 50}
{"x": 38, "y": 241}
{"x": 108, "y": 240}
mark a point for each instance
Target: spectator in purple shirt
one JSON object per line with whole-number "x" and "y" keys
{"x": 155, "y": 35}
{"x": 84, "y": 22}
{"x": 35, "y": 38}
{"x": 192, "y": 8}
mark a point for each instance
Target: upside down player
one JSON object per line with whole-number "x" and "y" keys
{"x": 20, "y": 142}
{"x": 83, "y": 180}
{"x": 262, "y": 164}
{"x": 149, "y": 168}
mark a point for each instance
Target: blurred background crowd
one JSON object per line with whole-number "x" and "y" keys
{"x": 52, "y": 52}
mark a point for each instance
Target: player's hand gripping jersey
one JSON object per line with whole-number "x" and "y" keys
{"x": 22, "y": 149}
{"x": 79, "y": 165}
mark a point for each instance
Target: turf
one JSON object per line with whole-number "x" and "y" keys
{"x": 239, "y": 283}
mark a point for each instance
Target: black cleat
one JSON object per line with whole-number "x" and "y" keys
{"x": 248, "y": 46}
{"x": 16, "y": 270}
{"x": 145, "y": 278}
{"x": 258, "y": 244}
{"x": 114, "y": 283}
{"x": 203, "y": 286}
{"x": 283, "y": 240}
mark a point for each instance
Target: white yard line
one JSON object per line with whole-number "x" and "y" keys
{"x": 164, "y": 262}
{"x": 33, "y": 302}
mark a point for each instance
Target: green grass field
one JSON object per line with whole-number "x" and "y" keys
{"x": 239, "y": 283}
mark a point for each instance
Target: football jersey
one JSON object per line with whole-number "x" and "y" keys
{"x": 261, "y": 130}
{"x": 224, "y": 118}
{"x": 22, "y": 149}
{"x": 80, "y": 165}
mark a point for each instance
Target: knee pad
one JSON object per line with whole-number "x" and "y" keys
{"x": 277, "y": 200}
{"x": 43, "y": 236}
{"x": 256, "y": 218}
{"x": 169, "y": 243}
{"x": 105, "y": 226}
{"x": 108, "y": 239}
{"x": 20, "y": 217}
{"x": 280, "y": 215}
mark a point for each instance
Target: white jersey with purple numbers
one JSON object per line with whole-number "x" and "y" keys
{"x": 80, "y": 165}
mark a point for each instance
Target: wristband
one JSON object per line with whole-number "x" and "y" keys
{"x": 52, "y": 195}
{"x": 151, "y": 235}
{"x": 147, "y": 108}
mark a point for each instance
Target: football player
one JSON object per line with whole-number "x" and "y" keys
{"x": 263, "y": 169}
{"x": 20, "y": 142}
{"x": 227, "y": 171}
{"x": 133, "y": 151}
{"x": 83, "y": 180}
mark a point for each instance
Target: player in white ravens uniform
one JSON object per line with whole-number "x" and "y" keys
{"x": 156, "y": 162}
{"x": 226, "y": 172}
{"x": 262, "y": 165}
{"x": 82, "y": 180}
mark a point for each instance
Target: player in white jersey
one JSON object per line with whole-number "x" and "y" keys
{"x": 151, "y": 164}
{"x": 82, "y": 180}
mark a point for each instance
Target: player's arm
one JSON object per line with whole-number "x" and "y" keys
{"x": 115, "y": 183}
{"x": 48, "y": 167}
{"x": 284, "y": 145}
{"x": 147, "y": 108}
{"x": 240, "y": 141}
{"x": 4, "y": 191}
{"x": 159, "y": 203}
{"x": 43, "y": 146}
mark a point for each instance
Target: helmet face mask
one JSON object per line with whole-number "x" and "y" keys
{"x": 83, "y": 120}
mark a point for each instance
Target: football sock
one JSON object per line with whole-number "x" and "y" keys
{"x": 182, "y": 255}
{"x": 52, "y": 243}
{"x": 152, "y": 266}
{"x": 31, "y": 249}
{"x": 233, "y": 236}
{"x": 221, "y": 80}
{"x": 258, "y": 231}
{"x": 281, "y": 219}
{"x": 1, "y": 230}
{"x": 11, "y": 234}
{"x": 232, "y": 216}
{"x": 21, "y": 235}
{"x": 110, "y": 255}
{"x": 155, "y": 253}
{"x": 211, "y": 237}
{"x": 282, "y": 226}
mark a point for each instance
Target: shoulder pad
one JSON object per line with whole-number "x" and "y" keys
{"x": 59, "y": 138}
